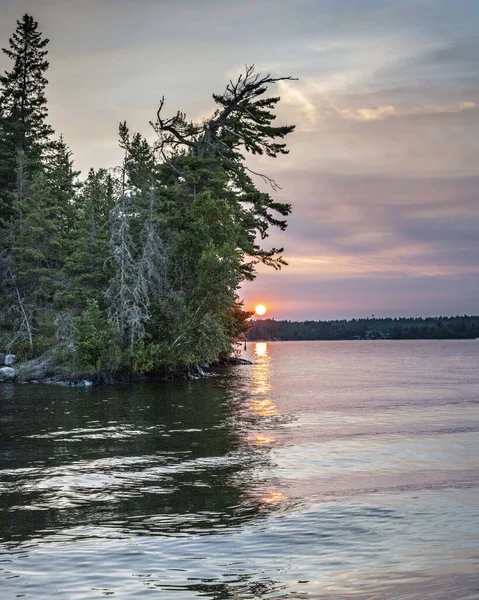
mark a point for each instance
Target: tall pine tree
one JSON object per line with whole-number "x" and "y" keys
{"x": 23, "y": 108}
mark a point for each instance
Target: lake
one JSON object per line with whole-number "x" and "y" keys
{"x": 325, "y": 470}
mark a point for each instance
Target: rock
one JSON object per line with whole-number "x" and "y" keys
{"x": 7, "y": 374}
{"x": 76, "y": 383}
{"x": 2, "y": 358}
{"x": 9, "y": 359}
{"x": 236, "y": 360}
{"x": 37, "y": 369}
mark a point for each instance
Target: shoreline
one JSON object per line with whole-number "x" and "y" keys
{"x": 41, "y": 370}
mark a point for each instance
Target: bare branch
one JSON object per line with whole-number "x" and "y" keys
{"x": 172, "y": 125}
{"x": 275, "y": 186}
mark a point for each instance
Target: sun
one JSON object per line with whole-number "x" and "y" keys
{"x": 260, "y": 309}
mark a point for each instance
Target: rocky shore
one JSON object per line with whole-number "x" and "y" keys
{"x": 43, "y": 370}
{"x": 37, "y": 370}
{"x": 7, "y": 370}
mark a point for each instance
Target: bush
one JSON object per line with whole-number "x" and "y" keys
{"x": 95, "y": 339}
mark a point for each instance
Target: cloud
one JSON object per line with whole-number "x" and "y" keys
{"x": 367, "y": 228}
{"x": 293, "y": 96}
{"x": 301, "y": 297}
{"x": 400, "y": 262}
{"x": 384, "y": 165}
{"x": 385, "y": 112}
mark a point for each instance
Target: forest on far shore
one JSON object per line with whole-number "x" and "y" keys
{"x": 398, "y": 328}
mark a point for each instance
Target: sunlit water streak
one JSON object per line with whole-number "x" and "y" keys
{"x": 325, "y": 470}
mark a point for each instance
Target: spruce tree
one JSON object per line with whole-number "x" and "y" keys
{"x": 30, "y": 263}
{"x": 23, "y": 108}
{"x": 64, "y": 185}
{"x": 35, "y": 243}
{"x": 87, "y": 247}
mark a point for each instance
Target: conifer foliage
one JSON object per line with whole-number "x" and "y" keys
{"x": 23, "y": 106}
{"x": 137, "y": 268}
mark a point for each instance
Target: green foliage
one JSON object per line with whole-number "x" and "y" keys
{"x": 139, "y": 267}
{"x": 203, "y": 338}
{"x": 86, "y": 250}
{"x": 23, "y": 108}
{"x": 94, "y": 337}
{"x": 215, "y": 151}
{"x": 35, "y": 243}
{"x": 192, "y": 337}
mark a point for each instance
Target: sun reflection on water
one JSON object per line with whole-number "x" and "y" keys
{"x": 273, "y": 497}
{"x": 261, "y": 349}
{"x": 260, "y": 439}
{"x": 261, "y": 386}
{"x": 264, "y": 407}
{"x": 262, "y": 370}
{"x": 261, "y": 375}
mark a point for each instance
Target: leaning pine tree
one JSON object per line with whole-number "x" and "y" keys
{"x": 218, "y": 216}
{"x": 244, "y": 122}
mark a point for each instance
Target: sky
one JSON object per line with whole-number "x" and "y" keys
{"x": 383, "y": 170}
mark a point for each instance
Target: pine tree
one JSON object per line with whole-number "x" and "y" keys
{"x": 87, "y": 248}
{"x": 30, "y": 261}
{"x": 17, "y": 308}
{"x": 35, "y": 243}
{"x": 64, "y": 186}
{"x": 214, "y": 212}
{"x": 23, "y": 108}
{"x": 243, "y": 123}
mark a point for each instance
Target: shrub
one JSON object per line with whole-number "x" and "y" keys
{"x": 95, "y": 339}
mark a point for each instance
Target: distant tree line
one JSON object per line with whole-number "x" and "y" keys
{"x": 138, "y": 267}
{"x": 402, "y": 328}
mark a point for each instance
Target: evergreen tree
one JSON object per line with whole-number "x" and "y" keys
{"x": 140, "y": 269}
{"x": 243, "y": 123}
{"x": 23, "y": 108}
{"x": 30, "y": 262}
{"x": 35, "y": 243}
{"x": 87, "y": 247}
{"x": 64, "y": 184}
{"x": 62, "y": 181}
{"x": 202, "y": 193}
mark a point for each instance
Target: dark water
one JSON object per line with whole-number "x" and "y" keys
{"x": 326, "y": 470}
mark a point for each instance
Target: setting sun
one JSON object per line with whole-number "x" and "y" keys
{"x": 260, "y": 309}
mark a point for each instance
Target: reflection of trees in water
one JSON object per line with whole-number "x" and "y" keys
{"x": 242, "y": 589}
{"x": 148, "y": 458}
{"x": 178, "y": 460}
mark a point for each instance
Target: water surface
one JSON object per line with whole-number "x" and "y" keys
{"x": 325, "y": 470}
